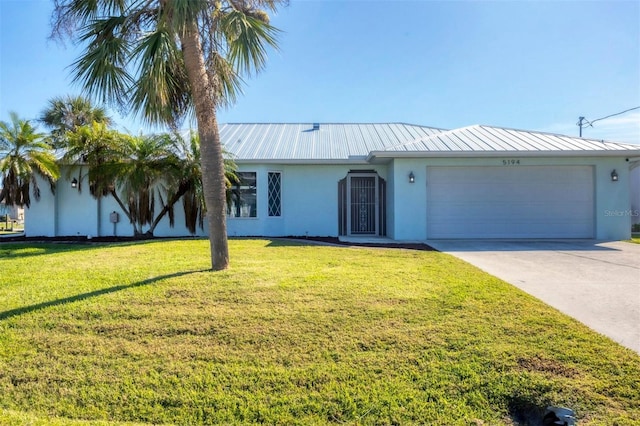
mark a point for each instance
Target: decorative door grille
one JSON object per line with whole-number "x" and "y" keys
{"x": 363, "y": 205}
{"x": 349, "y": 207}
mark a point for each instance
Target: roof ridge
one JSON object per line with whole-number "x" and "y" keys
{"x": 540, "y": 132}
{"x": 429, "y": 137}
{"x": 355, "y": 123}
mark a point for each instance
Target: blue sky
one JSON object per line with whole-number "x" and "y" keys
{"x": 526, "y": 65}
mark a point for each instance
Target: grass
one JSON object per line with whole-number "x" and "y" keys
{"x": 292, "y": 334}
{"x": 10, "y": 230}
{"x": 10, "y": 227}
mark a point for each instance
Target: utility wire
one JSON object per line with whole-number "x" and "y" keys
{"x": 582, "y": 122}
{"x": 608, "y": 116}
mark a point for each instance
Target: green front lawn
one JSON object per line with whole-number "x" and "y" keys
{"x": 292, "y": 334}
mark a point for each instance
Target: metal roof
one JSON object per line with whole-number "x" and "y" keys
{"x": 497, "y": 139}
{"x": 330, "y": 142}
{"x": 341, "y": 142}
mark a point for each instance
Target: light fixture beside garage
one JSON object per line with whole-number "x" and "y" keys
{"x": 74, "y": 183}
{"x": 614, "y": 176}
{"x": 412, "y": 177}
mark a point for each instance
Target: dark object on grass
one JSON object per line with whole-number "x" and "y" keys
{"x": 560, "y": 416}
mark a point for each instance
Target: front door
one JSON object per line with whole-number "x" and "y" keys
{"x": 362, "y": 202}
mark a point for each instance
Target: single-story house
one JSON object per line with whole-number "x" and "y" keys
{"x": 405, "y": 182}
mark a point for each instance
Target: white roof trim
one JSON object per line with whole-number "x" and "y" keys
{"x": 484, "y": 154}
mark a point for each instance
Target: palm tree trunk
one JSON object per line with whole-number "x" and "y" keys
{"x": 136, "y": 232}
{"x": 182, "y": 189}
{"x": 212, "y": 161}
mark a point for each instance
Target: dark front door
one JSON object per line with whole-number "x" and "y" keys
{"x": 363, "y": 205}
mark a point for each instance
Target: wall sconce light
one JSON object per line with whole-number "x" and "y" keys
{"x": 74, "y": 183}
{"x": 614, "y": 176}
{"x": 412, "y": 177}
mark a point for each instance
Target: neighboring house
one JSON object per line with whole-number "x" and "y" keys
{"x": 402, "y": 181}
{"x": 15, "y": 213}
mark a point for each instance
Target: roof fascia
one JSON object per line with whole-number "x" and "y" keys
{"x": 375, "y": 155}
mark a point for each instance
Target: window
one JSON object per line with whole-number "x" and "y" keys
{"x": 275, "y": 193}
{"x": 243, "y": 196}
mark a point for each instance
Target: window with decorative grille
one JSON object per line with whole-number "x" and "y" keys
{"x": 275, "y": 193}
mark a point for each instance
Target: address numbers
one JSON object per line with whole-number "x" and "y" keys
{"x": 511, "y": 162}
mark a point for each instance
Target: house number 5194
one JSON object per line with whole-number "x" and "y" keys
{"x": 512, "y": 162}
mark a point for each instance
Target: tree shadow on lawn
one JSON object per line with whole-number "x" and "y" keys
{"x": 43, "y": 247}
{"x": 84, "y": 296}
{"x": 336, "y": 242}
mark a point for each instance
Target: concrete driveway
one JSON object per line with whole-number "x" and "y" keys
{"x": 598, "y": 283}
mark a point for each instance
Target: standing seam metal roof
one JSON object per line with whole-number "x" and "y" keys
{"x": 347, "y": 141}
{"x": 486, "y": 138}
{"x": 334, "y": 141}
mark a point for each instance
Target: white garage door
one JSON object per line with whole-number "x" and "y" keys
{"x": 510, "y": 202}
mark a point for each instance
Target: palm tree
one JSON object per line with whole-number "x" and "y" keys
{"x": 64, "y": 114}
{"x": 187, "y": 55}
{"x": 186, "y": 184}
{"x": 24, "y": 156}
{"x": 138, "y": 169}
{"x": 130, "y": 169}
{"x": 92, "y": 145}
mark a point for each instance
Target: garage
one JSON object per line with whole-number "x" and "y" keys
{"x": 514, "y": 201}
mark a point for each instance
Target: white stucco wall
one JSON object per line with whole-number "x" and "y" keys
{"x": 76, "y": 213}
{"x": 634, "y": 189}
{"x": 40, "y": 217}
{"x": 309, "y": 207}
{"x": 392, "y": 183}
{"x": 309, "y": 200}
{"x": 613, "y": 204}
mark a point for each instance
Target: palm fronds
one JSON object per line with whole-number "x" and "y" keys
{"x": 24, "y": 156}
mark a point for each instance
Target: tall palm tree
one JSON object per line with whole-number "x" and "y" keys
{"x": 64, "y": 114}
{"x": 24, "y": 156}
{"x": 187, "y": 55}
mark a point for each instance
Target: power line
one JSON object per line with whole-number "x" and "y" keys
{"x": 581, "y": 120}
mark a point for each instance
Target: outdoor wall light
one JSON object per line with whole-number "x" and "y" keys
{"x": 74, "y": 183}
{"x": 412, "y": 177}
{"x": 614, "y": 176}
